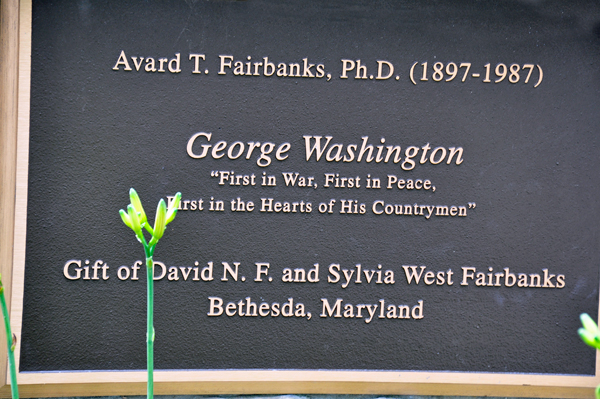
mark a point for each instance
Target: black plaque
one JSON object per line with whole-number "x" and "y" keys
{"x": 494, "y": 106}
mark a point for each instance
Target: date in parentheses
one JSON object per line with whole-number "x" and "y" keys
{"x": 440, "y": 72}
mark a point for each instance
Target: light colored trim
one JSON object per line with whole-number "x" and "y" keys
{"x": 16, "y": 314}
{"x": 46, "y": 384}
{"x": 9, "y": 64}
{"x": 308, "y": 382}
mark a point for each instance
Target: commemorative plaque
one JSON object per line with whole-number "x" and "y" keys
{"x": 383, "y": 187}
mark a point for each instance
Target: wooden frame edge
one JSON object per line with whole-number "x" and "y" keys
{"x": 212, "y": 382}
{"x": 22, "y": 170}
{"x": 269, "y": 387}
{"x": 258, "y": 388}
{"x": 9, "y": 64}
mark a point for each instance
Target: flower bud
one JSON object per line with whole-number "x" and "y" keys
{"x": 588, "y": 323}
{"x": 135, "y": 221}
{"x": 125, "y": 218}
{"x": 172, "y": 211}
{"x": 137, "y": 204}
{"x": 588, "y": 337}
{"x": 160, "y": 220}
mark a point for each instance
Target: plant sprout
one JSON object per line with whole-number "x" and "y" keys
{"x": 135, "y": 218}
{"x": 590, "y": 334}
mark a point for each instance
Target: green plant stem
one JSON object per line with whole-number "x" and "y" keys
{"x": 11, "y": 351}
{"x": 150, "y": 332}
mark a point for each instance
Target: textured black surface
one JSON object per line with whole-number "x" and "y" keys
{"x": 531, "y": 163}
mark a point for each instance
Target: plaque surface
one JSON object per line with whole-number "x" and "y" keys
{"x": 366, "y": 185}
